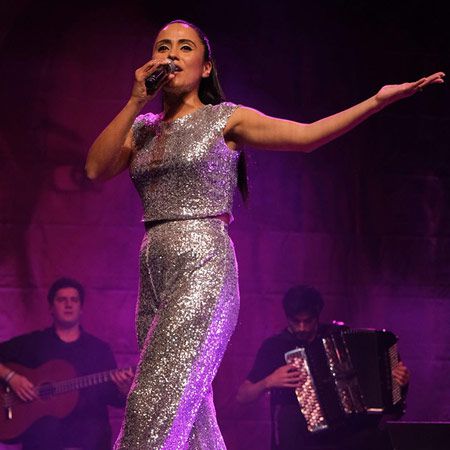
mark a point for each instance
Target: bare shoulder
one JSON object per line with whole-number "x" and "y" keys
{"x": 241, "y": 116}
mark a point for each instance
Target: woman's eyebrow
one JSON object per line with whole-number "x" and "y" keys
{"x": 163, "y": 41}
{"x": 186, "y": 41}
{"x": 180, "y": 41}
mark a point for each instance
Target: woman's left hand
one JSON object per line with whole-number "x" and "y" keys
{"x": 393, "y": 92}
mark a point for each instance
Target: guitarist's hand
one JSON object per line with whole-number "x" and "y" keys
{"x": 123, "y": 378}
{"x": 23, "y": 387}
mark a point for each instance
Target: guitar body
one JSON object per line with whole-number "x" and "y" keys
{"x": 21, "y": 415}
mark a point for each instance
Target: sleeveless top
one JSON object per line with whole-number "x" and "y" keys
{"x": 183, "y": 169}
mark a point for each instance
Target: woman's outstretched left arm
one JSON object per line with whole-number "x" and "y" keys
{"x": 250, "y": 127}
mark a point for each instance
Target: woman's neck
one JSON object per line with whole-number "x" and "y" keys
{"x": 178, "y": 106}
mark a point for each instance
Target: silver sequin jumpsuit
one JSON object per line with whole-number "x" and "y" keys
{"x": 188, "y": 294}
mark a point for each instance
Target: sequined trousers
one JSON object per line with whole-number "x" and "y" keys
{"x": 186, "y": 313}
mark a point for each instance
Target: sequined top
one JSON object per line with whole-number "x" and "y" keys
{"x": 184, "y": 169}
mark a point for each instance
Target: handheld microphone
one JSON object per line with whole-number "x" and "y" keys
{"x": 154, "y": 81}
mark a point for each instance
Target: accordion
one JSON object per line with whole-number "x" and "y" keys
{"x": 346, "y": 374}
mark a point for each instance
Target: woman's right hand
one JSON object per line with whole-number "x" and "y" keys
{"x": 23, "y": 387}
{"x": 139, "y": 91}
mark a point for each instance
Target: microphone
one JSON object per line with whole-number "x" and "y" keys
{"x": 154, "y": 81}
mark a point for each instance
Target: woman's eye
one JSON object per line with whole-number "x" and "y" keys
{"x": 186, "y": 48}
{"x": 163, "y": 48}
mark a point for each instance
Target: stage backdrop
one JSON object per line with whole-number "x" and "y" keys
{"x": 364, "y": 219}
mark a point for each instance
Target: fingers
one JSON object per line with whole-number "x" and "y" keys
{"x": 435, "y": 78}
{"x": 417, "y": 84}
{"x": 119, "y": 377}
{"x": 294, "y": 381}
{"x": 149, "y": 67}
{"x": 400, "y": 379}
{"x": 288, "y": 376}
{"x": 400, "y": 373}
{"x": 152, "y": 65}
{"x": 122, "y": 379}
{"x": 123, "y": 376}
{"x": 27, "y": 395}
{"x": 24, "y": 389}
{"x": 129, "y": 372}
{"x": 115, "y": 377}
{"x": 140, "y": 91}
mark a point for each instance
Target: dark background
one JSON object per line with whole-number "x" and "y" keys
{"x": 365, "y": 219}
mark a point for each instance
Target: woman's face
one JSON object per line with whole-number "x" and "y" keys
{"x": 182, "y": 44}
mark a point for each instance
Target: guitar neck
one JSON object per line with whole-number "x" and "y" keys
{"x": 60, "y": 387}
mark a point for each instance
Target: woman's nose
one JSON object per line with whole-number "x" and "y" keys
{"x": 173, "y": 55}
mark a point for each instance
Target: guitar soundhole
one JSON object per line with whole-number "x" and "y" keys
{"x": 46, "y": 391}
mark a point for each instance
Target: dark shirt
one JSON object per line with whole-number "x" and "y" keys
{"x": 289, "y": 430}
{"x": 271, "y": 356}
{"x": 87, "y": 426}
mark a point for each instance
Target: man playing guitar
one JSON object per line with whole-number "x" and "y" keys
{"x": 72, "y": 413}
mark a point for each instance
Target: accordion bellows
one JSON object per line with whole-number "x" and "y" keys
{"x": 344, "y": 375}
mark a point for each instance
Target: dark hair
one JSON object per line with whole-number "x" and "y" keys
{"x": 62, "y": 283}
{"x": 210, "y": 93}
{"x": 302, "y": 298}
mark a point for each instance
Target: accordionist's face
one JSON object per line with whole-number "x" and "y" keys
{"x": 304, "y": 326}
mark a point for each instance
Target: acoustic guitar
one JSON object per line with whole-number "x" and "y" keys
{"x": 57, "y": 386}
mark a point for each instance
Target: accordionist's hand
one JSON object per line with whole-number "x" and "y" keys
{"x": 401, "y": 375}
{"x": 287, "y": 376}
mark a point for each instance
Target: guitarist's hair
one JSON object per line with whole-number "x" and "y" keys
{"x": 62, "y": 283}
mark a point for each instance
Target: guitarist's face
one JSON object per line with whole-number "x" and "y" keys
{"x": 66, "y": 308}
